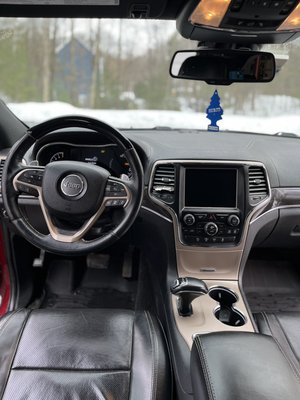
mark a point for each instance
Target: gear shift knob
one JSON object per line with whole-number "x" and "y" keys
{"x": 187, "y": 289}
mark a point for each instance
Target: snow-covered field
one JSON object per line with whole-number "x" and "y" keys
{"x": 33, "y": 113}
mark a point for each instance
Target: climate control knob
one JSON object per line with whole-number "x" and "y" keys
{"x": 233, "y": 220}
{"x": 189, "y": 219}
{"x": 211, "y": 229}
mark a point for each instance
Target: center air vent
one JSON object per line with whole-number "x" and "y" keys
{"x": 258, "y": 187}
{"x": 163, "y": 184}
{"x": 2, "y": 161}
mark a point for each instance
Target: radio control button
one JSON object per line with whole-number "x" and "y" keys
{"x": 189, "y": 239}
{"x": 221, "y": 217}
{"x": 233, "y": 220}
{"x": 211, "y": 229}
{"x": 201, "y": 217}
{"x": 189, "y": 219}
{"x": 229, "y": 239}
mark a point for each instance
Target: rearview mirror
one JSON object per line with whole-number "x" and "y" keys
{"x": 223, "y": 67}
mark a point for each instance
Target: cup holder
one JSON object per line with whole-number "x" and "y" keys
{"x": 225, "y": 312}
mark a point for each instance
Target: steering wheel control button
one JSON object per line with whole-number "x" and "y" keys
{"x": 32, "y": 177}
{"x": 26, "y": 189}
{"x": 72, "y": 185}
{"x": 211, "y": 229}
{"x": 116, "y": 203}
{"x": 115, "y": 189}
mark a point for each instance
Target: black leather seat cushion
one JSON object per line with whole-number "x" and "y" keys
{"x": 285, "y": 329}
{"x": 241, "y": 366}
{"x": 82, "y": 354}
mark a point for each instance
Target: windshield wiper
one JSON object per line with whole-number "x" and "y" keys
{"x": 286, "y": 134}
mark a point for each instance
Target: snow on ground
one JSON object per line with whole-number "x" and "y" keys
{"x": 33, "y": 113}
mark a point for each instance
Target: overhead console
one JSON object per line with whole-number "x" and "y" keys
{"x": 240, "y": 21}
{"x": 209, "y": 201}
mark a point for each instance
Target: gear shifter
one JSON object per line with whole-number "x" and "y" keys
{"x": 187, "y": 290}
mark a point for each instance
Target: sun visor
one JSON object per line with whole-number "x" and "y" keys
{"x": 253, "y": 21}
{"x": 135, "y": 9}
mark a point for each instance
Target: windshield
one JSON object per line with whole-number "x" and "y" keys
{"x": 118, "y": 71}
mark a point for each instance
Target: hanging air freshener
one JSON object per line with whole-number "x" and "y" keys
{"x": 214, "y": 112}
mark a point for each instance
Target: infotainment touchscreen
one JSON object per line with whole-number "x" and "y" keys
{"x": 210, "y": 187}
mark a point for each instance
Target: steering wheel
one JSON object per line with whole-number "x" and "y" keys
{"x": 71, "y": 190}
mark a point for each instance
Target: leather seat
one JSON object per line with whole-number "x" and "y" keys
{"x": 241, "y": 366}
{"x": 285, "y": 329}
{"x": 83, "y": 354}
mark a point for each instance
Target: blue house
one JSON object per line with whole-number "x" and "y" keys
{"x": 74, "y": 72}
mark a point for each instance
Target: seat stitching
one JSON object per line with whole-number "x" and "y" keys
{"x": 132, "y": 353}
{"x": 6, "y": 320}
{"x": 53, "y": 369}
{"x": 204, "y": 364}
{"x": 291, "y": 363}
{"x": 264, "y": 315}
{"x": 15, "y": 352}
{"x": 153, "y": 367}
{"x": 131, "y": 330}
{"x": 156, "y": 355}
{"x": 3, "y": 320}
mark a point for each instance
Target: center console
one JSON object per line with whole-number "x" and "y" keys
{"x": 212, "y": 205}
{"x": 211, "y": 199}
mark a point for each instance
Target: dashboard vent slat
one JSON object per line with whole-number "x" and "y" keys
{"x": 163, "y": 184}
{"x": 257, "y": 183}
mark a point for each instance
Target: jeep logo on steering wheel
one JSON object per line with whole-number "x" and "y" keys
{"x": 72, "y": 185}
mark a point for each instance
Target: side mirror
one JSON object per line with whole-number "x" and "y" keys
{"x": 223, "y": 67}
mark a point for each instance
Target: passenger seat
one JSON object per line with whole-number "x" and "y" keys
{"x": 285, "y": 329}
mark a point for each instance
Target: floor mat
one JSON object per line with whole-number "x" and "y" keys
{"x": 100, "y": 285}
{"x": 91, "y": 298}
{"x": 272, "y": 285}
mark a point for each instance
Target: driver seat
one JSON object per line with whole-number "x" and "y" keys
{"x": 88, "y": 354}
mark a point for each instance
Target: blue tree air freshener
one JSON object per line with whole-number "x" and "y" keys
{"x": 214, "y": 112}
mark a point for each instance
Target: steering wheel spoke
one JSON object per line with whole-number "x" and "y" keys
{"x": 29, "y": 181}
{"x": 68, "y": 235}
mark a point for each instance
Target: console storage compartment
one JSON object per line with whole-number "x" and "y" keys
{"x": 241, "y": 365}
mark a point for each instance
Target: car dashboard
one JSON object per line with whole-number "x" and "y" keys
{"x": 210, "y": 185}
{"x": 218, "y": 195}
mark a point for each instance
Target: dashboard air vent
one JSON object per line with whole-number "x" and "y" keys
{"x": 2, "y": 161}
{"x": 258, "y": 187}
{"x": 163, "y": 184}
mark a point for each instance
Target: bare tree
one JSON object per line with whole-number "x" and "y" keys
{"x": 95, "y": 45}
{"x": 46, "y": 61}
{"x": 73, "y": 73}
{"x": 49, "y": 37}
